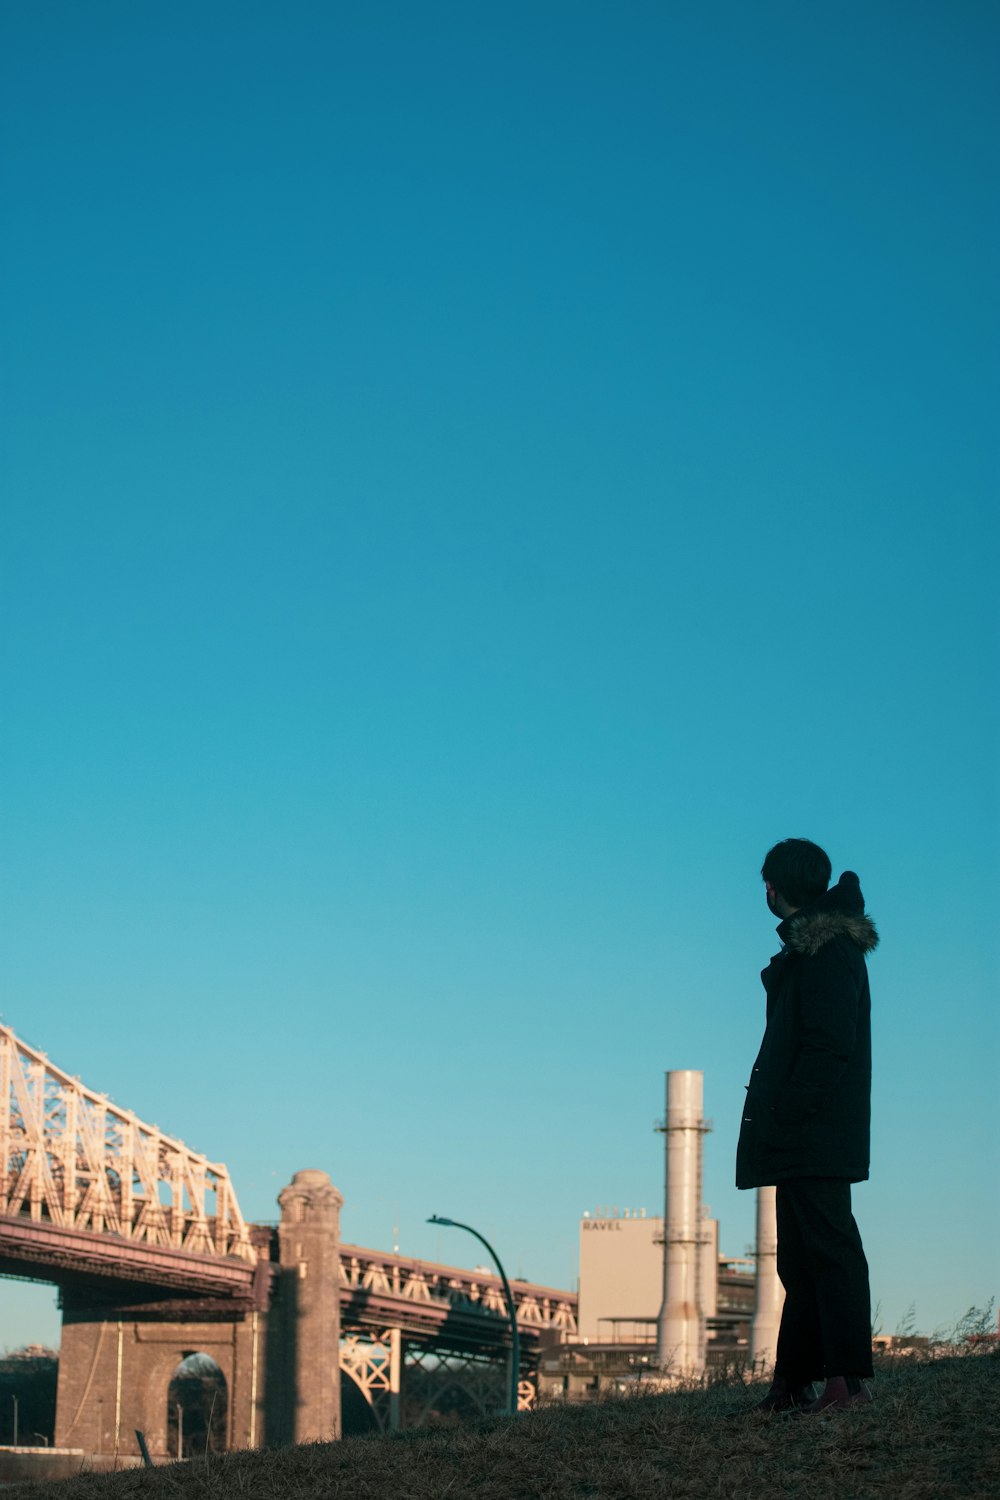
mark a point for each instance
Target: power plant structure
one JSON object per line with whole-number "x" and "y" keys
{"x": 680, "y": 1328}
{"x": 657, "y": 1302}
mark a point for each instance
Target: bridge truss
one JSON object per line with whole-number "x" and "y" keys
{"x": 88, "y": 1191}
{"x": 418, "y": 1385}
{"x": 71, "y": 1160}
{"x": 426, "y": 1343}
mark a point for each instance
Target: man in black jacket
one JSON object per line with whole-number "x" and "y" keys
{"x": 806, "y": 1126}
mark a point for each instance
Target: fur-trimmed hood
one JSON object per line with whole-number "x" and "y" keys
{"x": 840, "y": 912}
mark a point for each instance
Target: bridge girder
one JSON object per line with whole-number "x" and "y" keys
{"x": 72, "y": 1159}
{"x": 382, "y": 1290}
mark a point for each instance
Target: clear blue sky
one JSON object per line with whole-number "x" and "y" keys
{"x": 475, "y": 476}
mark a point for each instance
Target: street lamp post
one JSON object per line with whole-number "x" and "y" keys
{"x": 515, "y": 1337}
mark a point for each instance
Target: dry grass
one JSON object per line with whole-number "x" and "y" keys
{"x": 933, "y": 1433}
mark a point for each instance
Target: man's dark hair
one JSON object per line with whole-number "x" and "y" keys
{"x": 798, "y": 869}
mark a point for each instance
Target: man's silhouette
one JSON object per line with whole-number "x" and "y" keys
{"x": 806, "y": 1127}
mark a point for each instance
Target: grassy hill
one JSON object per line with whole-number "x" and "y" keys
{"x": 933, "y": 1433}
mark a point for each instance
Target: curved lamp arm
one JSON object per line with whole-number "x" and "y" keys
{"x": 515, "y": 1337}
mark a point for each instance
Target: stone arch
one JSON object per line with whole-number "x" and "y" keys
{"x": 197, "y": 1407}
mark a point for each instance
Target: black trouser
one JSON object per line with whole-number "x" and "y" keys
{"x": 826, "y": 1320}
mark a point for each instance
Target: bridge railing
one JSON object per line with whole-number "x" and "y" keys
{"x": 71, "y": 1157}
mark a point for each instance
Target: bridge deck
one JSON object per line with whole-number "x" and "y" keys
{"x": 427, "y": 1300}
{"x": 54, "y": 1252}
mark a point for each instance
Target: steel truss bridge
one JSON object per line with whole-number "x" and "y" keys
{"x": 93, "y": 1197}
{"x": 446, "y": 1326}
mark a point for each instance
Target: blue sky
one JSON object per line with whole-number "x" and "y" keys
{"x": 476, "y": 477}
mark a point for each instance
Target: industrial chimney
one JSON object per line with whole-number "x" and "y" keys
{"x": 680, "y": 1329}
{"x": 769, "y": 1294}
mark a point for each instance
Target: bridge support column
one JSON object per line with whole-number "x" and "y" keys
{"x": 395, "y": 1377}
{"x": 309, "y": 1299}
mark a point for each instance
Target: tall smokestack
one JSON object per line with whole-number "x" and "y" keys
{"x": 769, "y": 1294}
{"x": 680, "y": 1329}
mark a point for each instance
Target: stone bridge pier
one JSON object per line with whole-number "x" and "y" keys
{"x": 278, "y": 1359}
{"x": 305, "y": 1321}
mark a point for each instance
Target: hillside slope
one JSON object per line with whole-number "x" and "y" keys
{"x": 933, "y": 1433}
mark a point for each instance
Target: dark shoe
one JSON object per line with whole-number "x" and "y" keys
{"x": 784, "y": 1396}
{"x": 839, "y": 1394}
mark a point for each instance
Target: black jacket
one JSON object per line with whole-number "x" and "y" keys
{"x": 808, "y": 1104}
